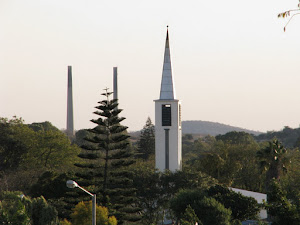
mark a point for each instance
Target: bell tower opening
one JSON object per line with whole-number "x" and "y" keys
{"x": 166, "y": 115}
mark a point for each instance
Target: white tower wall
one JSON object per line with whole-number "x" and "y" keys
{"x": 173, "y": 138}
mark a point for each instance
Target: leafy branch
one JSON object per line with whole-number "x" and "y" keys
{"x": 290, "y": 13}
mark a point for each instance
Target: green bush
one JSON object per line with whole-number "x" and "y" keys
{"x": 208, "y": 210}
{"x": 17, "y": 209}
{"x": 82, "y": 214}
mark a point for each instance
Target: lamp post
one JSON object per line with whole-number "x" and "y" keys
{"x": 73, "y": 184}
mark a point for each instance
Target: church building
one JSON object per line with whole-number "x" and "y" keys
{"x": 168, "y": 153}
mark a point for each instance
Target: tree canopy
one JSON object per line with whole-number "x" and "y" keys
{"x": 146, "y": 143}
{"x": 82, "y": 214}
{"x": 107, "y": 158}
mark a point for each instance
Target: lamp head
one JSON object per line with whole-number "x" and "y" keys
{"x": 71, "y": 184}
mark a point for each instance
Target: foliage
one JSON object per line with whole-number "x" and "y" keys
{"x": 189, "y": 217}
{"x": 211, "y": 212}
{"x": 16, "y": 140}
{"x": 82, "y": 214}
{"x": 287, "y": 136}
{"x": 53, "y": 187}
{"x": 53, "y": 151}
{"x": 18, "y": 179}
{"x": 242, "y": 207}
{"x": 42, "y": 212}
{"x": 186, "y": 179}
{"x": 236, "y": 138}
{"x": 25, "y": 153}
{"x": 64, "y": 222}
{"x": 192, "y": 148}
{"x": 12, "y": 210}
{"x": 146, "y": 143}
{"x": 18, "y": 209}
{"x": 44, "y": 147}
{"x": 291, "y": 181}
{"x": 155, "y": 189}
{"x": 281, "y": 210}
{"x": 150, "y": 196}
{"x": 181, "y": 200}
{"x": 107, "y": 158}
{"x": 231, "y": 160}
{"x": 44, "y": 126}
{"x": 235, "y": 163}
{"x": 239, "y": 206}
{"x": 80, "y": 137}
{"x": 273, "y": 160}
{"x": 291, "y": 12}
{"x": 207, "y": 209}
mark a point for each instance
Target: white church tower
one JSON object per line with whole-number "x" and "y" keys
{"x": 168, "y": 154}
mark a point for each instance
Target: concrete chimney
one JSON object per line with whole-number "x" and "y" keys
{"x": 115, "y": 81}
{"x": 70, "y": 120}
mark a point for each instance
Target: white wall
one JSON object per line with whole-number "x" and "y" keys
{"x": 175, "y": 154}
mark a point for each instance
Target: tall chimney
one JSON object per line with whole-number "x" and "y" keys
{"x": 115, "y": 80}
{"x": 70, "y": 121}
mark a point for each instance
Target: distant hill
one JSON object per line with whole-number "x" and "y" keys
{"x": 288, "y": 136}
{"x": 210, "y": 128}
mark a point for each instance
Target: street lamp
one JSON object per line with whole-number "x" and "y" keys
{"x": 73, "y": 184}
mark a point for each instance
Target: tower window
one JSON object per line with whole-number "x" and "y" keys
{"x": 166, "y": 115}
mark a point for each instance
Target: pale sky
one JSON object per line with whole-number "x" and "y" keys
{"x": 232, "y": 63}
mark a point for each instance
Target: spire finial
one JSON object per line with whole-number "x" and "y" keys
{"x": 167, "y": 32}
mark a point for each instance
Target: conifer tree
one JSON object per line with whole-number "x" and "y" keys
{"x": 107, "y": 160}
{"x": 189, "y": 217}
{"x": 146, "y": 143}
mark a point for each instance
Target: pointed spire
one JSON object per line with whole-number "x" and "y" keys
{"x": 167, "y": 90}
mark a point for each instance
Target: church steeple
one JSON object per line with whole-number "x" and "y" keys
{"x": 168, "y": 153}
{"x": 167, "y": 89}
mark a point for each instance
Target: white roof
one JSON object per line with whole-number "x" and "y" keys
{"x": 259, "y": 197}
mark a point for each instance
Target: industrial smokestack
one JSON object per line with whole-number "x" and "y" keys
{"x": 70, "y": 121}
{"x": 115, "y": 80}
